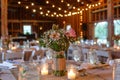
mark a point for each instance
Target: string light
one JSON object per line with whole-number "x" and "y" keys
{"x": 82, "y": 2}
{"x": 53, "y": 6}
{"x": 86, "y": 9}
{"x": 34, "y": 10}
{"x": 27, "y": 7}
{"x": 40, "y": 8}
{"x": 59, "y": 8}
{"x": 88, "y": 6}
{"x": 68, "y": 4}
{"x": 96, "y": 4}
{"x": 48, "y": 11}
{"x": 19, "y": 2}
{"x": 52, "y": 15}
{"x": 32, "y": 4}
{"x": 41, "y": 13}
{"x": 62, "y": 1}
{"x": 47, "y": 2}
{"x": 99, "y": 3}
{"x": 55, "y": 13}
{"x": 78, "y": 0}
{"x": 78, "y": 9}
{"x": 65, "y": 11}
{"x": 74, "y": 7}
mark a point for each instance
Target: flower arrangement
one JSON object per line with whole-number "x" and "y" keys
{"x": 57, "y": 39}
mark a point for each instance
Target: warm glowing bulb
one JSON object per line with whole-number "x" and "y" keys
{"x": 40, "y": 8}
{"x": 19, "y": 2}
{"x": 34, "y": 10}
{"x": 40, "y": 28}
{"x": 78, "y": 0}
{"x": 62, "y": 0}
{"x": 55, "y": 13}
{"x": 81, "y": 12}
{"x": 86, "y": 9}
{"x": 65, "y": 11}
{"x": 73, "y": 7}
{"x": 78, "y": 9}
{"x": 90, "y": 6}
{"x": 59, "y": 8}
{"x": 46, "y": 14}
{"x": 99, "y": 3}
{"x": 53, "y": 6}
{"x": 47, "y": 2}
{"x": 41, "y": 12}
{"x": 52, "y": 15}
{"x": 27, "y": 7}
{"x": 48, "y": 11}
{"x": 65, "y": 15}
{"x": 82, "y": 2}
{"x": 32, "y": 4}
{"x": 68, "y": 4}
{"x": 96, "y": 4}
{"x": 87, "y": 5}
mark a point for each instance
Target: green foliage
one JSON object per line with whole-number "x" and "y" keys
{"x": 55, "y": 39}
{"x": 59, "y": 72}
{"x": 101, "y": 30}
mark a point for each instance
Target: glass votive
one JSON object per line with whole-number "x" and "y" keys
{"x": 13, "y": 48}
{"x": 44, "y": 69}
{"x": 71, "y": 73}
{"x": 118, "y": 47}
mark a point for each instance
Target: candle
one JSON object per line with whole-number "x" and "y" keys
{"x": 37, "y": 41}
{"x": 13, "y": 48}
{"x": 118, "y": 47}
{"x": 71, "y": 74}
{"x": 44, "y": 71}
{"x": 1, "y": 49}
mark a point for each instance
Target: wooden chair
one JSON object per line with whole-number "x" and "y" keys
{"x": 28, "y": 55}
{"x": 38, "y": 53}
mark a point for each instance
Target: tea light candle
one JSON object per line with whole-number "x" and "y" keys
{"x": 44, "y": 71}
{"x": 13, "y": 48}
{"x": 118, "y": 47}
{"x": 71, "y": 75}
{"x": 37, "y": 41}
{"x": 1, "y": 49}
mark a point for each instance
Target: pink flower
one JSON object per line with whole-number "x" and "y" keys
{"x": 70, "y": 33}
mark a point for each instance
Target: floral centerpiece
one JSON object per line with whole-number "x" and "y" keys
{"x": 58, "y": 40}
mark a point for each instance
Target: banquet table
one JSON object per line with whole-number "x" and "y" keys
{"x": 102, "y": 73}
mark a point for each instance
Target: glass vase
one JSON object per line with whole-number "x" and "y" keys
{"x": 59, "y": 64}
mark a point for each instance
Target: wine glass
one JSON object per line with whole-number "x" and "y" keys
{"x": 76, "y": 55}
{"x": 49, "y": 54}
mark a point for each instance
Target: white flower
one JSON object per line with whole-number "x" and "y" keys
{"x": 55, "y": 35}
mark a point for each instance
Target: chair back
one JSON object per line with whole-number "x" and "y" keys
{"x": 28, "y": 55}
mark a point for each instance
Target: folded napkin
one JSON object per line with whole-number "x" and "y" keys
{"x": 7, "y": 64}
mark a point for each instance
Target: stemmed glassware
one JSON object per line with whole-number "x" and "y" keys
{"x": 49, "y": 54}
{"x": 76, "y": 55}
